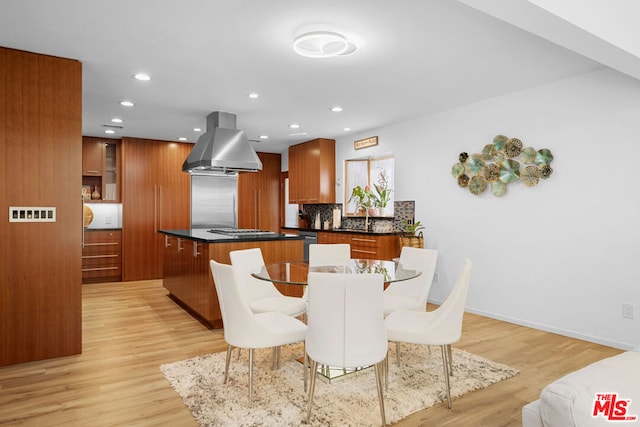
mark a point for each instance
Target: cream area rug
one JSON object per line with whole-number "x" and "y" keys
{"x": 279, "y": 398}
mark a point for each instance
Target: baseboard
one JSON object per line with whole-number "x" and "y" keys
{"x": 548, "y": 328}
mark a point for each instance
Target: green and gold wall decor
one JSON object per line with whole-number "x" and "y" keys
{"x": 500, "y": 163}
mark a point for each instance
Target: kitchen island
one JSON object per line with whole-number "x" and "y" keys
{"x": 186, "y": 272}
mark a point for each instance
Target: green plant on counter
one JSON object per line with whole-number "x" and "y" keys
{"x": 361, "y": 197}
{"x": 411, "y": 229}
{"x": 383, "y": 192}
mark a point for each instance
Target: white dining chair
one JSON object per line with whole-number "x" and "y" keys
{"x": 333, "y": 254}
{"x": 442, "y": 326}
{"x": 262, "y": 296}
{"x": 245, "y": 329}
{"x": 412, "y": 294}
{"x": 346, "y": 326}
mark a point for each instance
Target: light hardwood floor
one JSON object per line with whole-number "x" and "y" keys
{"x": 130, "y": 329}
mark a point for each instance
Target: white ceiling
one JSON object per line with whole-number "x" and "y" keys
{"x": 416, "y": 57}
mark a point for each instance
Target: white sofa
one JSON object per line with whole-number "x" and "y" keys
{"x": 570, "y": 400}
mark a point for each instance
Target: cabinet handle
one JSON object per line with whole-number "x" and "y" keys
{"x": 357, "y": 239}
{"x": 195, "y": 250}
{"x": 160, "y": 205}
{"x": 180, "y": 244}
{"x": 256, "y": 211}
{"x": 363, "y": 251}
{"x": 99, "y": 256}
{"x": 101, "y": 244}
{"x": 99, "y": 268}
{"x": 92, "y": 171}
{"x": 166, "y": 241}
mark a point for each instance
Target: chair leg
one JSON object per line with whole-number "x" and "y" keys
{"x": 238, "y": 355}
{"x": 378, "y": 370}
{"x": 386, "y": 372}
{"x": 446, "y": 373}
{"x": 398, "y": 354}
{"x": 450, "y": 359}
{"x": 312, "y": 387}
{"x": 226, "y": 365}
{"x": 250, "y": 377}
{"x": 306, "y": 368}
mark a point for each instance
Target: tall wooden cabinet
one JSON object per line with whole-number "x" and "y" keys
{"x": 40, "y": 166}
{"x": 312, "y": 172}
{"x": 101, "y": 168}
{"x": 259, "y": 195}
{"x": 155, "y": 195}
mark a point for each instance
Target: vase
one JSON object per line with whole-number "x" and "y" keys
{"x": 381, "y": 211}
{"x": 96, "y": 193}
{"x": 372, "y": 212}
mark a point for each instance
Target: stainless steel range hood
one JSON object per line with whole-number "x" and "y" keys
{"x": 222, "y": 149}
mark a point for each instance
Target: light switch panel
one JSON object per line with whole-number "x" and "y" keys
{"x": 32, "y": 214}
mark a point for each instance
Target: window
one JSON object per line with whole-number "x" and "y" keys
{"x": 371, "y": 173}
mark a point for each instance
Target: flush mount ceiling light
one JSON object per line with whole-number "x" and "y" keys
{"x": 323, "y": 44}
{"x": 142, "y": 77}
{"x": 126, "y": 103}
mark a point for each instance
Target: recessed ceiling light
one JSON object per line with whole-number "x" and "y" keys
{"x": 253, "y": 95}
{"x": 347, "y": 129}
{"x": 298, "y": 134}
{"x": 294, "y": 126}
{"x": 109, "y": 131}
{"x": 142, "y": 77}
{"x": 336, "y": 109}
{"x": 127, "y": 103}
{"x": 323, "y": 44}
{"x": 197, "y": 129}
{"x": 116, "y": 120}
{"x": 264, "y": 137}
{"x": 182, "y": 138}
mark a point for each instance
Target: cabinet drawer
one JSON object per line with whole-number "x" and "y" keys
{"x": 101, "y": 261}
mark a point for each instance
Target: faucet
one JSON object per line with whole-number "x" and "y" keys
{"x": 367, "y": 223}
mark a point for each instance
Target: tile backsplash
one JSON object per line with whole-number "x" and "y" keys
{"x": 403, "y": 210}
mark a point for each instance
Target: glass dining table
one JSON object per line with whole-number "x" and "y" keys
{"x": 296, "y": 272}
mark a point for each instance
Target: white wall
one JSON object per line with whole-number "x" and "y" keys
{"x": 560, "y": 256}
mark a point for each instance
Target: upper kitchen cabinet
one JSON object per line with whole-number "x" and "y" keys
{"x": 100, "y": 169}
{"x": 155, "y": 195}
{"x": 259, "y": 195}
{"x": 312, "y": 172}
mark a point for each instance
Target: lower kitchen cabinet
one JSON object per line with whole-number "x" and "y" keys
{"x": 365, "y": 245}
{"x": 102, "y": 256}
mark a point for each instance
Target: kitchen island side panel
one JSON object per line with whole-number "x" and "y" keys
{"x": 187, "y": 275}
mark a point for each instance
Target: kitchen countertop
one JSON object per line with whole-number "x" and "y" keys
{"x": 202, "y": 235}
{"x": 345, "y": 230}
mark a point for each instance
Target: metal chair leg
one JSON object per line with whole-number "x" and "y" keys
{"x": 446, "y": 373}
{"x": 378, "y": 370}
{"x": 250, "y": 377}
{"x": 306, "y": 368}
{"x": 450, "y": 359}
{"x": 226, "y": 366}
{"x": 386, "y": 372}
{"x": 312, "y": 387}
{"x": 398, "y": 354}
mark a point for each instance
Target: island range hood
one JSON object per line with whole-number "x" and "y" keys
{"x": 222, "y": 149}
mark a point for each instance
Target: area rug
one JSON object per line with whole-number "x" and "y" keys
{"x": 279, "y": 398}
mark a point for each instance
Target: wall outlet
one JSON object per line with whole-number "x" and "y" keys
{"x": 627, "y": 311}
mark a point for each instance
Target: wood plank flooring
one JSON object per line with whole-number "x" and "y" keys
{"x": 130, "y": 329}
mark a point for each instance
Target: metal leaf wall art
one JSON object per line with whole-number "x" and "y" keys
{"x": 504, "y": 161}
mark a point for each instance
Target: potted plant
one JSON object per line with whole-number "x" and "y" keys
{"x": 412, "y": 234}
{"x": 382, "y": 194}
{"x": 362, "y": 197}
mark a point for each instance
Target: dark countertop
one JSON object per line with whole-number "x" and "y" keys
{"x": 202, "y": 235}
{"x": 345, "y": 230}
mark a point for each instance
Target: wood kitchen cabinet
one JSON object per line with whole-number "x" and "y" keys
{"x": 102, "y": 256}
{"x": 259, "y": 195}
{"x": 365, "y": 245}
{"x": 155, "y": 195}
{"x": 101, "y": 167}
{"x": 312, "y": 172}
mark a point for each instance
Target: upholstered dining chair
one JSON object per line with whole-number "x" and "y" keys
{"x": 442, "y": 326}
{"x": 261, "y": 295}
{"x": 346, "y": 326}
{"x": 329, "y": 254}
{"x": 245, "y": 329}
{"x": 412, "y": 294}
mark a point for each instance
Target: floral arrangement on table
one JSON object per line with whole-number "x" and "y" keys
{"x": 382, "y": 196}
